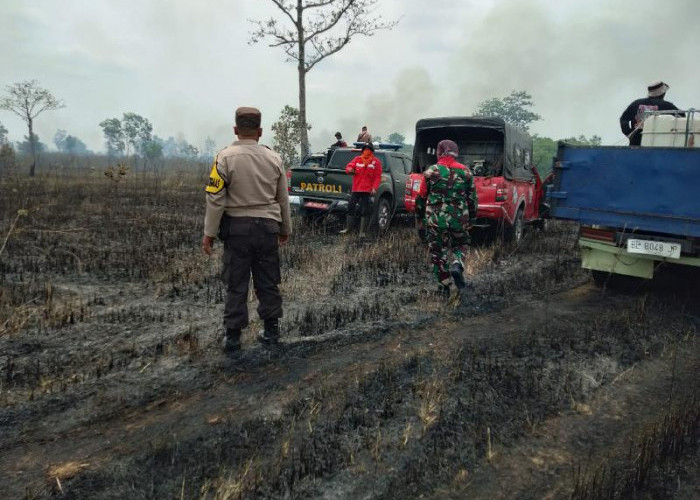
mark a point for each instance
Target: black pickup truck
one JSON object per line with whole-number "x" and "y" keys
{"x": 324, "y": 187}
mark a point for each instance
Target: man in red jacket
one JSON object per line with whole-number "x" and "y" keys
{"x": 366, "y": 170}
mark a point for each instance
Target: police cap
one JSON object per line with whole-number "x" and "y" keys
{"x": 247, "y": 117}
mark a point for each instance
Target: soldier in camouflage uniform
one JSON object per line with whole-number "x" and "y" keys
{"x": 446, "y": 206}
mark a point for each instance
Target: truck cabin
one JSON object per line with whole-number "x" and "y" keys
{"x": 314, "y": 160}
{"x": 490, "y": 147}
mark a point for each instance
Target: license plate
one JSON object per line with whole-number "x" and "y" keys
{"x": 658, "y": 248}
{"x": 316, "y": 204}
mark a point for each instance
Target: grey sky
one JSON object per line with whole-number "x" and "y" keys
{"x": 185, "y": 65}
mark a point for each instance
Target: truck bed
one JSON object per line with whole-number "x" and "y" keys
{"x": 644, "y": 189}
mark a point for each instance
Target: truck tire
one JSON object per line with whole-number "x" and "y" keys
{"x": 542, "y": 225}
{"x": 514, "y": 232}
{"x": 309, "y": 217}
{"x": 306, "y": 217}
{"x": 600, "y": 277}
{"x": 382, "y": 215}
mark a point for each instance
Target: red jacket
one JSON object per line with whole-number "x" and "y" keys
{"x": 367, "y": 174}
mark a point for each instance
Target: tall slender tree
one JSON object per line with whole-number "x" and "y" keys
{"x": 27, "y": 100}
{"x": 313, "y": 30}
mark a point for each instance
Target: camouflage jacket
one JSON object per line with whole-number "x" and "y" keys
{"x": 447, "y": 199}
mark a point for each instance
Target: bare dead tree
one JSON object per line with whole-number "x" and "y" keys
{"x": 313, "y": 30}
{"x": 27, "y": 100}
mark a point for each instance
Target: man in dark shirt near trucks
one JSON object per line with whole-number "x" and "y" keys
{"x": 632, "y": 119}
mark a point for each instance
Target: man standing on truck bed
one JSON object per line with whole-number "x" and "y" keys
{"x": 366, "y": 170}
{"x": 364, "y": 135}
{"x": 632, "y": 119}
{"x": 448, "y": 200}
{"x": 248, "y": 206}
{"x": 339, "y": 141}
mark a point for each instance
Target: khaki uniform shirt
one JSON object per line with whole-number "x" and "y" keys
{"x": 247, "y": 180}
{"x": 364, "y": 137}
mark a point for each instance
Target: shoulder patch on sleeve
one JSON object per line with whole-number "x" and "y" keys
{"x": 216, "y": 183}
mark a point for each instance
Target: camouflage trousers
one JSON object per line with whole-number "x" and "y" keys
{"x": 442, "y": 243}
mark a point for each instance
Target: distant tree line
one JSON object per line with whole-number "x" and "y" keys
{"x": 131, "y": 136}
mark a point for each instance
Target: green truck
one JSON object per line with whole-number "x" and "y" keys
{"x": 324, "y": 188}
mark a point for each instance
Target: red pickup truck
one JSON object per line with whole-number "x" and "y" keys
{"x": 509, "y": 189}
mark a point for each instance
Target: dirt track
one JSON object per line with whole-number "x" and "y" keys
{"x": 538, "y": 386}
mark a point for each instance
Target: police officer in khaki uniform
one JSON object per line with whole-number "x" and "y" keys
{"x": 248, "y": 207}
{"x": 364, "y": 135}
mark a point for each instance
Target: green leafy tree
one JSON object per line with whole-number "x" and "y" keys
{"x": 74, "y": 146}
{"x": 312, "y": 30}
{"x": 152, "y": 150}
{"x": 114, "y": 136}
{"x": 396, "y": 138}
{"x": 128, "y": 135}
{"x": 27, "y": 100}
{"x": 31, "y": 147}
{"x": 3, "y": 134}
{"x": 137, "y": 131}
{"x": 543, "y": 150}
{"x": 69, "y": 144}
{"x": 59, "y": 139}
{"x": 287, "y": 132}
{"x": 513, "y": 109}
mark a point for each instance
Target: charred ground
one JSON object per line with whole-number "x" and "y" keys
{"x": 538, "y": 385}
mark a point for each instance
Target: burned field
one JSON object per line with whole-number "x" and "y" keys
{"x": 537, "y": 385}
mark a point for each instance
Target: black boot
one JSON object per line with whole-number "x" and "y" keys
{"x": 270, "y": 334}
{"x": 364, "y": 225}
{"x": 457, "y": 272}
{"x": 350, "y": 222}
{"x": 232, "y": 340}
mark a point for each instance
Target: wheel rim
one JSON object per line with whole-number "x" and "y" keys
{"x": 519, "y": 226}
{"x": 383, "y": 215}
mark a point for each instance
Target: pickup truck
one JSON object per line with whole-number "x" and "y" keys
{"x": 637, "y": 206}
{"x": 325, "y": 189}
{"x": 509, "y": 190}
